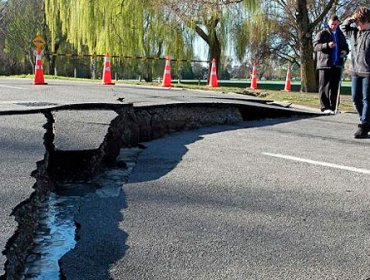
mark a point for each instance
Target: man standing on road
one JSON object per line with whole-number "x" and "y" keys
{"x": 357, "y": 28}
{"x": 331, "y": 48}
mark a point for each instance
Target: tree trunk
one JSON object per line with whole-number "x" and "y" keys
{"x": 147, "y": 71}
{"x": 214, "y": 46}
{"x": 31, "y": 61}
{"x": 213, "y": 43}
{"x": 53, "y": 58}
{"x": 308, "y": 80}
{"x": 53, "y": 64}
{"x": 214, "y": 53}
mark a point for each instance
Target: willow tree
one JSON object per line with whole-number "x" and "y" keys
{"x": 251, "y": 37}
{"x": 211, "y": 20}
{"x": 130, "y": 27}
{"x": 22, "y": 24}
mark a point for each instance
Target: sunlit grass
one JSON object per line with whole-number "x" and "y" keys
{"x": 310, "y": 100}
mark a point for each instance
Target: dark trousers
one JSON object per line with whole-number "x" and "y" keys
{"x": 361, "y": 98}
{"x": 328, "y": 87}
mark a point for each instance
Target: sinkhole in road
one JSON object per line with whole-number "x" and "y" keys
{"x": 57, "y": 230}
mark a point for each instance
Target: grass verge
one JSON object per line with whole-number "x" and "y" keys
{"x": 310, "y": 100}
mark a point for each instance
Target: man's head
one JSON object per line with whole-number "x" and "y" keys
{"x": 333, "y": 22}
{"x": 361, "y": 16}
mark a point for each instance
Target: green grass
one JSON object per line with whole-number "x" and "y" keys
{"x": 310, "y": 100}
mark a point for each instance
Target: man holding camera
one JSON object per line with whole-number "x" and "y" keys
{"x": 331, "y": 47}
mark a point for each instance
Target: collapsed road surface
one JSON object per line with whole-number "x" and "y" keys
{"x": 277, "y": 198}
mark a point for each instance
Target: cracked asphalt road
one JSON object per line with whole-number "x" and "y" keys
{"x": 269, "y": 199}
{"x": 21, "y": 147}
{"x": 218, "y": 203}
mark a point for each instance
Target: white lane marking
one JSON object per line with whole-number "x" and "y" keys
{"x": 4, "y": 86}
{"x": 337, "y": 166}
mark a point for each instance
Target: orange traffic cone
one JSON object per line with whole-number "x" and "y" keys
{"x": 288, "y": 85}
{"x": 254, "y": 77}
{"x": 39, "y": 71}
{"x": 167, "y": 73}
{"x": 213, "y": 78}
{"x": 107, "y": 75}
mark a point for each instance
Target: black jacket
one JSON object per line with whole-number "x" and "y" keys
{"x": 323, "y": 51}
{"x": 360, "y": 47}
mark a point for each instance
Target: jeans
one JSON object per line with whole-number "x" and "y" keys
{"x": 361, "y": 98}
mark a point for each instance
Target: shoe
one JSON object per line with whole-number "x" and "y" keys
{"x": 329, "y": 112}
{"x": 362, "y": 131}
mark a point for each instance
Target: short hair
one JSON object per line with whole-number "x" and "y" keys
{"x": 362, "y": 14}
{"x": 333, "y": 18}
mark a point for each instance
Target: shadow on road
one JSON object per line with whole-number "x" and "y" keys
{"x": 102, "y": 239}
{"x": 160, "y": 162}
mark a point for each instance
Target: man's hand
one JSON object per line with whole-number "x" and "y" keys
{"x": 332, "y": 45}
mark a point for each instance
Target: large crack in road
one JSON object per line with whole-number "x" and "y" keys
{"x": 75, "y": 173}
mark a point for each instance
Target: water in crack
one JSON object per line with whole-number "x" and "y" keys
{"x": 55, "y": 234}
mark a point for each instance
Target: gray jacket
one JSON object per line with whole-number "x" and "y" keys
{"x": 360, "y": 49}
